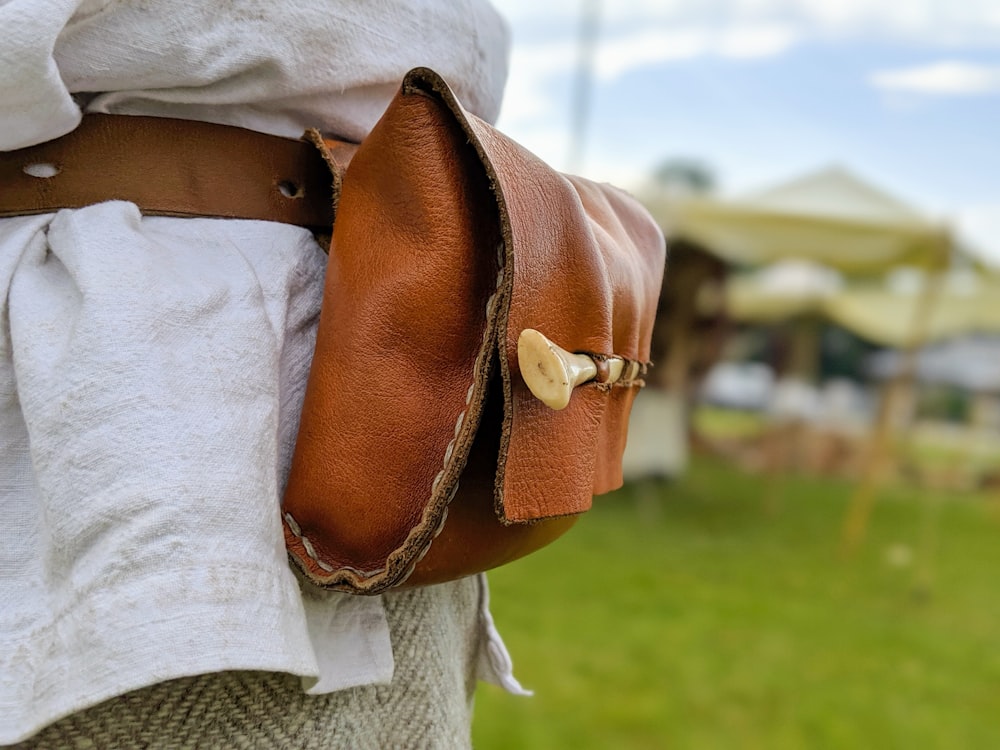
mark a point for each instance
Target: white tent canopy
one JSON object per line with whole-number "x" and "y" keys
{"x": 882, "y": 312}
{"x": 831, "y": 217}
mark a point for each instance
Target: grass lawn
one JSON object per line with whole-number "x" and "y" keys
{"x": 714, "y": 613}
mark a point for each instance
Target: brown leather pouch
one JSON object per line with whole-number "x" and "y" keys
{"x": 422, "y": 456}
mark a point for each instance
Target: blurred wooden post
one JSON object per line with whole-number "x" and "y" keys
{"x": 806, "y": 350}
{"x": 784, "y": 451}
{"x": 859, "y": 508}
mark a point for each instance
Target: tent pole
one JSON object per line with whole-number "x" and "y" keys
{"x": 859, "y": 507}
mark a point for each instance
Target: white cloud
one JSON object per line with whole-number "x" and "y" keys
{"x": 640, "y": 34}
{"x": 944, "y": 22}
{"x": 757, "y": 41}
{"x": 626, "y": 52}
{"x": 644, "y": 33}
{"x": 533, "y": 64}
{"x": 950, "y": 77}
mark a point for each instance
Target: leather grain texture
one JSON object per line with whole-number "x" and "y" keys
{"x": 171, "y": 167}
{"x": 422, "y": 456}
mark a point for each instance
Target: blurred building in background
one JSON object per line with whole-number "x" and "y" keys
{"x": 798, "y": 304}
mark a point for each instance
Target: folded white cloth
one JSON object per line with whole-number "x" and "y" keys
{"x": 152, "y": 369}
{"x": 270, "y": 65}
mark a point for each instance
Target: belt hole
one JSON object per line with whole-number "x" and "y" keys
{"x": 290, "y": 189}
{"x": 42, "y": 170}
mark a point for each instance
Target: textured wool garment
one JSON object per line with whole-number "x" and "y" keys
{"x": 435, "y": 631}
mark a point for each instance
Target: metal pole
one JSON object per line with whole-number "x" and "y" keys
{"x": 583, "y": 83}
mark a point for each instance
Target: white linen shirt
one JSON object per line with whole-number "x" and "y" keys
{"x": 152, "y": 368}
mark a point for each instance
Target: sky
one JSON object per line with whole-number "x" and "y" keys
{"x": 905, "y": 93}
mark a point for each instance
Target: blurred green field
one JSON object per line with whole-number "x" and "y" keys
{"x": 714, "y": 612}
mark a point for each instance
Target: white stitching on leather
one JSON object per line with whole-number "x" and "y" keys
{"x": 437, "y": 481}
{"x": 310, "y": 550}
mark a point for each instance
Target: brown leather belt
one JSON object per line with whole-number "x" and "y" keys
{"x": 171, "y": 168}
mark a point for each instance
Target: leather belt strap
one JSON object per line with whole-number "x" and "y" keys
{"x": 171, "y": 167}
